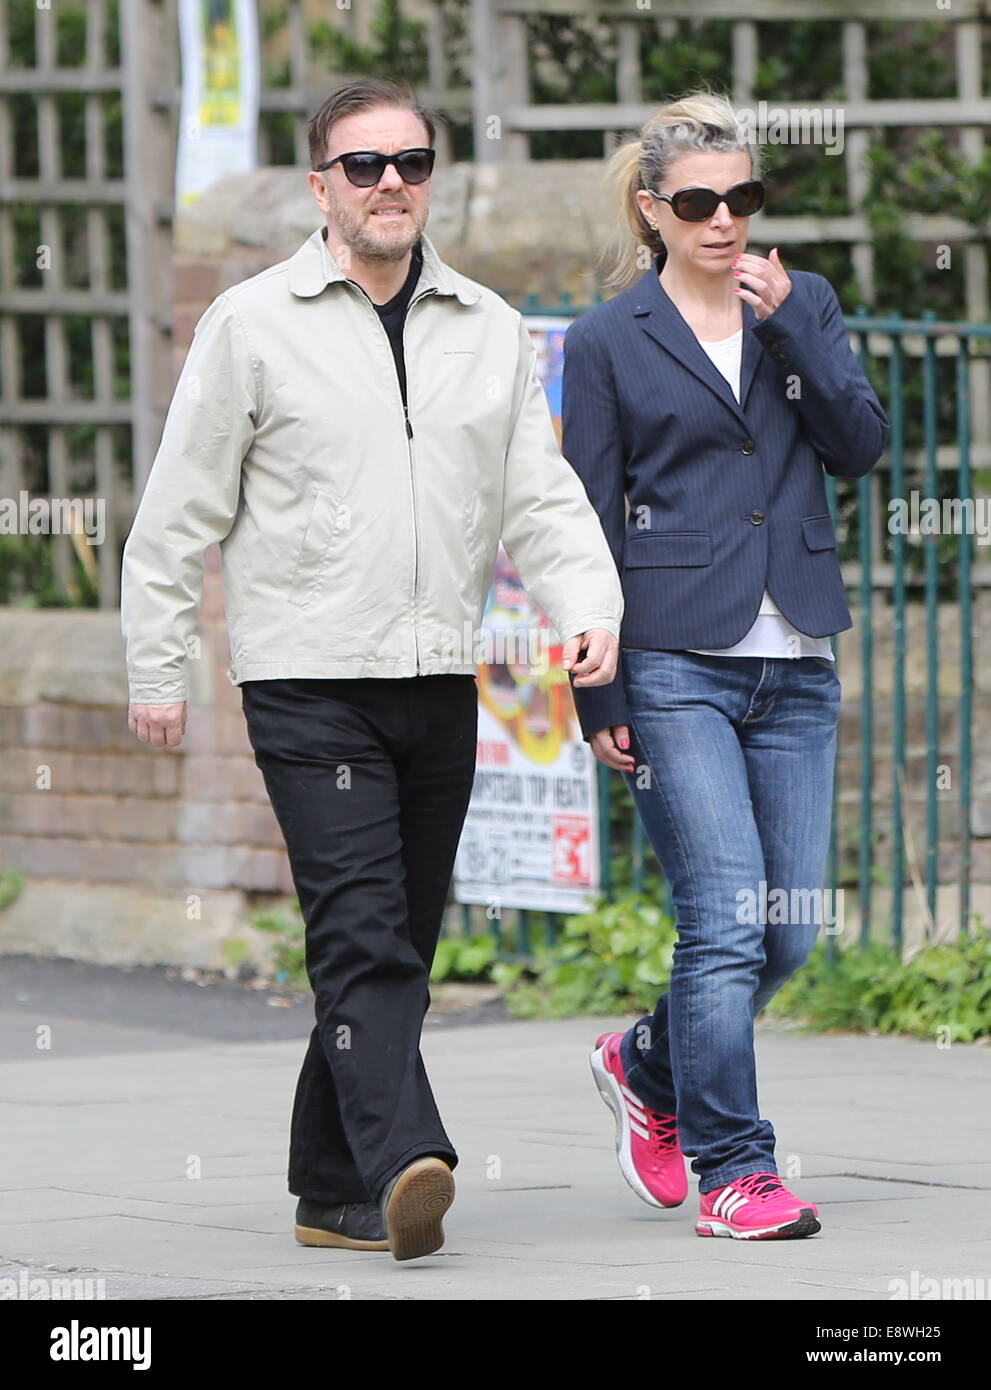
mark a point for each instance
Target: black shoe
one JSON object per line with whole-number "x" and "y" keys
{"x": 413, "y": 1204}
{"x": 352, "y": 1226}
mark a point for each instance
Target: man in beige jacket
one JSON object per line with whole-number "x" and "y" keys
{"x": 358, "y": 426}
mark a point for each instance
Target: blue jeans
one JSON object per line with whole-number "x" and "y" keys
{"x": 733, "y": 782}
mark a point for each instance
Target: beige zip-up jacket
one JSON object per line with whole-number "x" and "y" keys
{"x": 355, "y": 541}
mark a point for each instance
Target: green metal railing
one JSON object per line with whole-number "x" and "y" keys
{"x": 929, "y": 409}
{"x": 937, "y": 579}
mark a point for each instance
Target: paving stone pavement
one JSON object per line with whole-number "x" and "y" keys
{"x": 891, "y": 1137}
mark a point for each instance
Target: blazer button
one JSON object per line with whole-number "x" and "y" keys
{"x": 747, "y": 447}
{"x": 756, "y": 517}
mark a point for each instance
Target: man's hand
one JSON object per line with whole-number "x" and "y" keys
{"x": 609, "y": 747}
{"x": 160, "y": 725}
{"x": 598, "y": 666}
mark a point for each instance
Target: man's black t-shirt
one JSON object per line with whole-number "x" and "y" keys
{"x": 393, "y": 314}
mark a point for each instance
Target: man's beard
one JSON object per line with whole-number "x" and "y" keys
{"x": 357, "y": 235}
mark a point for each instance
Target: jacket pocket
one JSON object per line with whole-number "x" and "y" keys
{"x": 661, "y": 549}
{"x": 819, "y": 533}
{"x": 322, "y": 525}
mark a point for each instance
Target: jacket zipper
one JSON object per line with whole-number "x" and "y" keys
{"x": 412, "y": 486}
{"x": 409, "y": 444}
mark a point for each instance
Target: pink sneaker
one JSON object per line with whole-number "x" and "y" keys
{"x": 755, "y": 1207}
{"x": 647, "y": 1147}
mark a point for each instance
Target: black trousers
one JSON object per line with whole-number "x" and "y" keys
{"x": 370, "y": 781}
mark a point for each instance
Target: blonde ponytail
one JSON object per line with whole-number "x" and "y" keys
{"x": 699, "y": 120}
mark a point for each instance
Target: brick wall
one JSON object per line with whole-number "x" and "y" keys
{"x": 132, "y": 854}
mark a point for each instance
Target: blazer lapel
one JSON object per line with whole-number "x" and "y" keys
{"x": 662, "y": 321}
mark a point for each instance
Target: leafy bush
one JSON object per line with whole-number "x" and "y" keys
{"x": 617, "y": 959}
{"x": 613, "y": 960}
{"x": 464, "y": 958}
{"x": 28, "y": 580}
{"x": 940, "y": 991}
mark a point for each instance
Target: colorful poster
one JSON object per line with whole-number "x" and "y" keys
{"x": 218, "y": 115}
{"x": 531, "y": 836}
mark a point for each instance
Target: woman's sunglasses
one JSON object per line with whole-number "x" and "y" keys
{"x": 364, "y": 168}
{"x": 698, "y": 204}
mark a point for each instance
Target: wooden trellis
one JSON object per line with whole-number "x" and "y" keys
{"x": 141, "y": 194}
{"x": 139, "y": 197}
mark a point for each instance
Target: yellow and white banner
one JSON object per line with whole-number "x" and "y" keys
{"x": 218, "y": 114}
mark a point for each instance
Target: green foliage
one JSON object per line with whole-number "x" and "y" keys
{"x": 20, "y": 21}
{"x": 688, "y": 55}
{"x": 618, "y": 960}
{"x": 941, "y": 991}
{"x": 464, "y": 958}
{"x": 27, "y": 576}
{"x": 289, "y": 952}
{"x": 910, "y": 60}
{"x": 272, "y": 19}
{"x": 924, "y": 173}
{"x": 234, "y": 951}
{"x": 612, "y": 960}
{"x": 398, "y": 48}
{"x": 11, "y": 884}
{"x": 800, "y": 61}
{"x": 571, "y": 59}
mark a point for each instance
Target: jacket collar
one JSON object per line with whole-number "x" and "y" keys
{"x": 662, "y": 320}
{"x": 313, "y": 267}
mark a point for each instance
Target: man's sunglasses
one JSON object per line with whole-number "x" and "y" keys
{"x": 698, "y": 204}
{"x": 364, "y": 168}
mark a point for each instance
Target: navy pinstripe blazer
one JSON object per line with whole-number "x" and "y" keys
{"x": 724, "y": 497}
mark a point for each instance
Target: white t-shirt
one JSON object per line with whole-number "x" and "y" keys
{"x": 772, "y": 634}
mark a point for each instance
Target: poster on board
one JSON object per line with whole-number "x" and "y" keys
{"x": 531, "y": 835}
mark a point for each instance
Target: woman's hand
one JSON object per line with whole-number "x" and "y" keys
{"x": 608, "y": 745}
{"x": 769, "y": 279}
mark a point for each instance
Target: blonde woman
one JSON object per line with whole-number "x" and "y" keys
{"x": 713, "y": 395}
